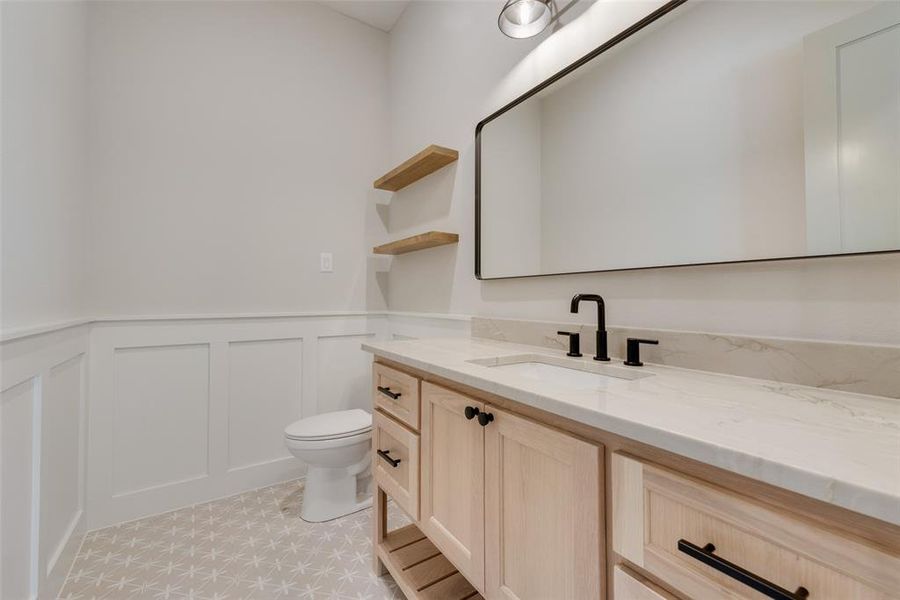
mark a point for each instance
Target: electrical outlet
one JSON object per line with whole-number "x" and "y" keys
{"x": 326, "y": 262}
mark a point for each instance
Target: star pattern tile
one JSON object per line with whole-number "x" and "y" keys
{"x": 252, "y": 546}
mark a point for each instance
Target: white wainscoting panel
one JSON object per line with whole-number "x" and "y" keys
{"x": 62, "y": 472}
{"x": 214, "y": 396}
{"x": 264, "y": 395}
{"x": 42, "y": 458}
{"x": 161, "y": 416}
{"x": 19, "y": 449}
{"x": 180, "y": 411}
{"x": 344, "y": 377}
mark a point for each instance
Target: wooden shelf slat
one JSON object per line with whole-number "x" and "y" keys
{"x": 424, "y": 163}
{"x": 400, "y": 538}
{"x": 415, "y": 553}
{"x": 454, "y": 587}
{"x": 420, "y": 573}
{"x": 417, "y": 242}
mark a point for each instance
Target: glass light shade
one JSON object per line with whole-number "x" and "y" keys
{"x": 524, "y": 18}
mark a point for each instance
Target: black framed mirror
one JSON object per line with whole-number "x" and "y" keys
{"x": 706, "y": 133}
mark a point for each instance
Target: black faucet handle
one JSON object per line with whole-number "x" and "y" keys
{"x": 633, "y": 351}
{"x": 574, "y": 343}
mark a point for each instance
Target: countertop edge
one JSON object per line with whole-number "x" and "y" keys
{"x": 872, "y": 503}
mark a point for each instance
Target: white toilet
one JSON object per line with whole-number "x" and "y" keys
{"x": 336, "y": 448}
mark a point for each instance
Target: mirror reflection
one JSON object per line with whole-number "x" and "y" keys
{"x": 724, "y": 131}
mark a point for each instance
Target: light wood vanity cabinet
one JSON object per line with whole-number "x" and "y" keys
{"x": 453, "y": 479}
{"x": 490, "y": 489}
{"x": 627, "y": 586}
{"x": 397, "y": 394}
{"x": 396, "y": 462}
{"x": 506, "y": 507}
{"x": 543, "y": 506}
{"x": 706, "y": 542}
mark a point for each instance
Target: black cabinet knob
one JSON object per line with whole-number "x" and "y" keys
{"x": 471, "y": 412}
{"x": 485, "y": 418}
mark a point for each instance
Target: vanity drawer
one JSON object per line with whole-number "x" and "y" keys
{"x": 706, "y": 542}
{"x": 396, "y": 462}
{"x": 626, "y": 586}
{"x": 396, "y": 393}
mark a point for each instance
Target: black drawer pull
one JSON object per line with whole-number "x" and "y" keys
{"x": 387, "y": 392}
{"x": 767, "y": 588}
{"x": 385, "y": 454}
{"x": 471, "y": 412}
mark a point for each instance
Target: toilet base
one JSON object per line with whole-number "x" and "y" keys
{"x": 330, "y": 494}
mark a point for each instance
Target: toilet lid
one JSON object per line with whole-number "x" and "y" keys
{"x": 342, "y": 423}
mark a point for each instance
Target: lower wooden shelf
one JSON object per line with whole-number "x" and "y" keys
{"x": 420, "y": 569}
{"x": 417, "y": 242}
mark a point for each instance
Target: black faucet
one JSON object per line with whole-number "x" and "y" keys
{"x": 633, "y": 351}
{"x": 602, "y": 353}
{"x": 574, "y": 343}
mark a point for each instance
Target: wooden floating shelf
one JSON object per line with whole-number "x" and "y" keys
{"x": 418, "y": 242}
{"x": 419, "y": 568}
{"x": 424, "y": 163}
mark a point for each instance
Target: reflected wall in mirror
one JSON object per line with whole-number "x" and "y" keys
{"x": 719, "y": 132}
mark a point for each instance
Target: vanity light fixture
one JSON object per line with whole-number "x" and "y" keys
{"x": 525, "y": 18}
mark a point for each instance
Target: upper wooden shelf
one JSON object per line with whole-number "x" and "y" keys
{"x": 424, "y": 163}
{"x": 417, "y": 242}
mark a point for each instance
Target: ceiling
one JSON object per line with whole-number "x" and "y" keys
{"x": 381, "y": 14}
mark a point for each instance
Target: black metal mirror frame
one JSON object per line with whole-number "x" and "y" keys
{"x": 638, "y": 26}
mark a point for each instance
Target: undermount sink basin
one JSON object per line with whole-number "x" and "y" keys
{"x": 565, "y": 372}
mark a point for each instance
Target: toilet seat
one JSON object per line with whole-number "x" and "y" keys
{"x": 338, "y": 442}
{"x": 330, "y": 426}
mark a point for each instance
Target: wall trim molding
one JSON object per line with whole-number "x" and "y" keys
{"x": 12, "y": 334}
{"x": 16, "y": 333}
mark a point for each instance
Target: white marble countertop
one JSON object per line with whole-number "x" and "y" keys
{"x": 838, "y": 447}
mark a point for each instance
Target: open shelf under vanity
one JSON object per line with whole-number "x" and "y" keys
{"x": 419, "y": 568}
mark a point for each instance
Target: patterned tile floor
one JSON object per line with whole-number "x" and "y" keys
{"x": 252, "y": 546}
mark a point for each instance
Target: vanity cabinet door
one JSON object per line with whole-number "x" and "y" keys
{"x": 543, "y": 529}
{"x": 452, "y": 479}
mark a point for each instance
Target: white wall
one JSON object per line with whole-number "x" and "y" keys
{"x": 183, "y": 157}
{"x": 231, "y": 143}
{"x": 43, "y": 145}
{"x": 43, "y": 378}
{"x": 450, "y": 67}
